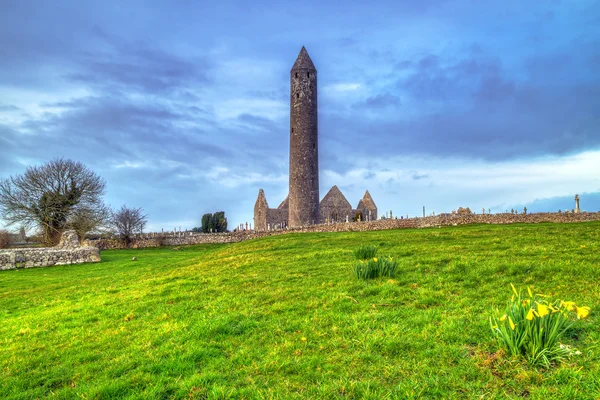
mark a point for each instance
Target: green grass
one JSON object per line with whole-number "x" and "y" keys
{"x": 284, "y": 317}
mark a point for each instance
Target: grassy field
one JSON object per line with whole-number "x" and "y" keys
{"x": 283, "y": 317}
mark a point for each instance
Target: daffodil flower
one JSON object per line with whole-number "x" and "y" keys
{"x": 503, "y": 318}
{"x": 529, "y": 315}
{"x": 582, "y": 312}
{"x": 542, "y": 310}
{"x": 511, "y": 323}
{"x": 529, "y": 290}
{"x": 569, "y": 305}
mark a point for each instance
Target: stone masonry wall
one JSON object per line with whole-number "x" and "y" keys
{"x": 67, "y": 252}
{"x": 187, "y": 238}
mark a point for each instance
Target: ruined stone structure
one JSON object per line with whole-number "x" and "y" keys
{"x": 302, "y": 206}
{"x": 68, "y": 251}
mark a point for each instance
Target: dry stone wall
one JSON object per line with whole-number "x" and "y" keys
{"x": 187, "y": 238}
{"x": 69, "y": 251}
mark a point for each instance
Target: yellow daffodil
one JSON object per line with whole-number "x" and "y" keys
{"x": 542, "y": 310}
{"x": 526, "y": 302}
{"x": 582, "y": 312}
{"x": 530, "y": 315}
{"x": 529, "y": 290}
{"x": 511, "y": 323}
{"x": 552, "y": 308}
{"x": 569, "y": 305}
{"x": 503, "y": 318}
{"x": 374, "y": 259}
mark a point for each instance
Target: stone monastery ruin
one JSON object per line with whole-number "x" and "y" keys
{"x": 302, "y": 207}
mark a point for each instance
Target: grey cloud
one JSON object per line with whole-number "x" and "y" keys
{"x": 379, "y": 101}
{"x": 417, "y": 177}
{"x": 146, "y": 69}
{"x": 479, "y": 112}
{"x": 8, "y": 108}
{"x": 433, "y": 80}
{"x": 536, "y": 121}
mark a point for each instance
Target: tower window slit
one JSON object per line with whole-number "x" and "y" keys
{"x": 308, "y": 74}
{"x": 297, "y": 95}
{"x": 296, "y": 74}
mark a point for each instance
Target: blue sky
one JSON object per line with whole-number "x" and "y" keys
{"x": 183, "y": 106}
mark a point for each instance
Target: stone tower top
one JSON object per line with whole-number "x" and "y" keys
{"x": 303, "y": 61}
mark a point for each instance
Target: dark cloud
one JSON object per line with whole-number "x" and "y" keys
{"x": 379, "y": 101}
{"x": 471, "y": 107}
{"x": 434, "y": 79}
{"x": 149, "y": 70}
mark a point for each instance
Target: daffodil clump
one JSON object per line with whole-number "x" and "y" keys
{"x": 375, "y": 267}
{"x": 532, "y": 325}
{"x": 365, "y": 252}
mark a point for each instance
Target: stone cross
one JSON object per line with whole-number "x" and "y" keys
{"x": 577, "y": 204}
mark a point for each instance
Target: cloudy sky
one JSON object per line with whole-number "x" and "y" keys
{"x": 183, "y": 106}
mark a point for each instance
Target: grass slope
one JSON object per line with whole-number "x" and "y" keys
{"x": 283, "y": 317}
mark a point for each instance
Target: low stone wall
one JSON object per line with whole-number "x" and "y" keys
{"x": 176, "y": 239}
{"x": 67, "y": 252}
{"x": 186, "y": 238}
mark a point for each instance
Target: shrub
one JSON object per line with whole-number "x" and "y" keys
{"x": 531, "y": 326}
{"x": 4, "y": 239}
{"x": 375, "y": 267}
{"x": 365, "y": 252}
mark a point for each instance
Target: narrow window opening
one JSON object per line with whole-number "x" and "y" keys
{"x": 297, "y": 95}
{"x": 308, "y": 74}
{"x": 314, "y": 146}
{"x": 296, "y": 74}
{"x": 292, "y": 130}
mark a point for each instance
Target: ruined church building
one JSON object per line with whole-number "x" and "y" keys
{"x": 302, "y": 207}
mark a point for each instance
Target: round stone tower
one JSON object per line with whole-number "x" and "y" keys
{"x": 304, "y": 143}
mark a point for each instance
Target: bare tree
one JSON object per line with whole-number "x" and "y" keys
{"x": 127, "y": 222}
{"x": 85, "y": 220}
{"x": 49, "y": 195}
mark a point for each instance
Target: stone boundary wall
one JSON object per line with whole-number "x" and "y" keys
{"x": 67, "y": 252}
{"x": 175, "y": 239}
{"x": 187, "y": 238}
